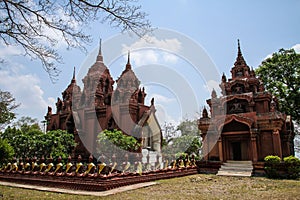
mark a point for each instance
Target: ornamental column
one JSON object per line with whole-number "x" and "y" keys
{"x": 253, "y": 135}
{"x": 220, "y": 149}
{"x": 277, "y": 143}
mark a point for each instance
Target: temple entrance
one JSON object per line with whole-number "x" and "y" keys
{"x": 236, "y": 142}
{"x": 236, "y": 148}
{"x": 236, "y": 151}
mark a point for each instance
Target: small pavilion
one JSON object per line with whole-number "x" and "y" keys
{"x": 244, "y": 122}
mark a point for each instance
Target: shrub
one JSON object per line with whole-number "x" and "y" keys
{"x": 6, "y": 152}
{"x": 292, "y": 165}
{"x": 115, "y": 141}
{"x": 272, "y": 165}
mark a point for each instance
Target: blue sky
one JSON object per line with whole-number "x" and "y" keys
{"x": 263, "y": 27}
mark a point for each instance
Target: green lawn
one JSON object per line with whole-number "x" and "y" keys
{"x": 198, "y": 186}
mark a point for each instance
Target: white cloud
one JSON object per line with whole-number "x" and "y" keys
{"x": 26, "y": 90}
{"x": 268, "y": 56}
{"x": 144, "y": 57}
{"x": 10, "y": 50}
{"x": 163, "y": 116}
{"x": 296, "y": 47}
{"x": 162, "y": 99}
{"x": 151, "y": 50}
{"x": 212, "y": 84}
{"x": 172, "y": 45}
{"x": 170, "y": 58}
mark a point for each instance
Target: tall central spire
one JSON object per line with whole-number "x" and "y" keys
{"x": 100, "y": 46}
{"x": 100, "y": 57}
{"x": 239, "y": 59}
{"x": 239, "y": 48}
{"x": 73, "y": 79}
{"x": 128, "y": 65}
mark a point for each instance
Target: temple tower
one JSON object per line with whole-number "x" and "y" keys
{"x": 244, "y": 122}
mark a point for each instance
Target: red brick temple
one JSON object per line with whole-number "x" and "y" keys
{"x": 244, "y": 123}
{"x": 98, "y": 106}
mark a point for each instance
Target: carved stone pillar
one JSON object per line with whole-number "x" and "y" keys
{"x": 277, "y": 143}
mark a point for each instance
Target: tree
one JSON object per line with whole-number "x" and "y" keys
{"x": 6, "y": 152}
{"x": 109, "y": 141}
{"x": 189, "y": 127}
{"x": 7, "y": 106}
{"x": 281, "y": 76}
{"x": 34, "y": 142}
{"x": 169, "y": 132}
{"x": 38, "y": 26}
{"x": 189, "y": 142}
{"x": 26, "y": 123}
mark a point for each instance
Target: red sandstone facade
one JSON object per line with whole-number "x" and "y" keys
{"x": 99, "y": 106}
{"x": 244, "y": 123}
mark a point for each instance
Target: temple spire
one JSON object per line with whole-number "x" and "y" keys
{"x": 100, "y": 46}
{"x": 100, "y": 57}
{"x": 239, "y": 48}
{"x": 73, "y": 78}
{"x": 128, "y": 65}
{"x": 239, "y": 59}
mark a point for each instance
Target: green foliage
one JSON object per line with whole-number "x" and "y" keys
{"x": 292, "y": 165}
{"x": 290, "y": 168}
{"x": 189, "y": 141}
{"x": 271, "y": 166}
{"x": 34, "y": 142}
{"x": 7, "y": 105}
{"x": 111, "y": 141}
{"x": 272, "y": 160}
{"x": 6, "y": 152}
{"x": 189, "y": 127}
{"x": 281, "y": 76}
{"x": 27, "y": 123}
{"x": 183, "y": 144}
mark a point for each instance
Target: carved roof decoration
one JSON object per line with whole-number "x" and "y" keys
{"x": 128, "y": 86}
{"x": 98, "y": 81}
{"x": 128, "y": 77}
{"x": 229, "y": 118}
{"x": 247, "y": 96}
{"x": 240, "y": 69}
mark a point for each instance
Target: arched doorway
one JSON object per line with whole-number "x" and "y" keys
{"x": 236, "y": 141}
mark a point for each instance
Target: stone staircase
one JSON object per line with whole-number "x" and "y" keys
{"x": 236, "y": 168}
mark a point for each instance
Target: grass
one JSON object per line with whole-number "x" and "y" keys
{"x": 198, "y": 186}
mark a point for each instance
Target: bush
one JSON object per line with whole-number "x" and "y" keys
{"x": 272, "y": 164}
{"x": 289, "y": 168}
{"x": 116, "y": 142}
{"x": 6, "y": 152}
{"x": 292, "y": 165}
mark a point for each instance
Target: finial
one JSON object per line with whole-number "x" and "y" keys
{"x": 100, "y": 57}
{"x": 224, "y": 79}
{"x": 73, "y": 79}
{"x": 239, "y": 47}
{"x": 128, "y": 65}
{"x": 100, "y": 46}
{"x": 214, "y": 93}
{"x": 152, "y": 101}
{"x": 128, "y": 60}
